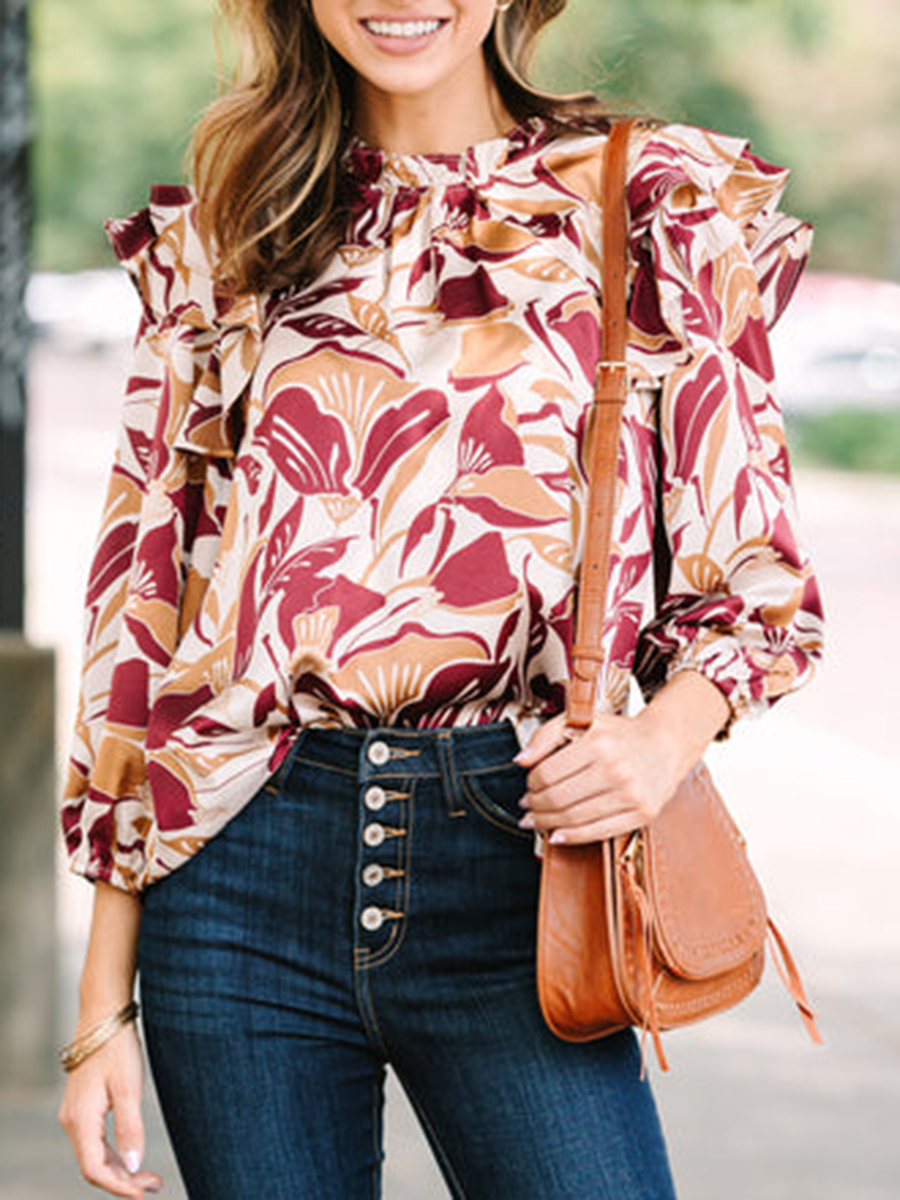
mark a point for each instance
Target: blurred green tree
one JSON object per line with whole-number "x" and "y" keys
{"x": 814, "y": 83}
{"x": 117, "y": 85}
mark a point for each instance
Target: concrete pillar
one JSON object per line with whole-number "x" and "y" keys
{"x": 27, "y": 864}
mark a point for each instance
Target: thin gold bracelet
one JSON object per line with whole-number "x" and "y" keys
{"x": 80, "y": 1048}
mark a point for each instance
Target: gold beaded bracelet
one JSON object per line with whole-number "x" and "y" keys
{"x": 80, "y": 1048}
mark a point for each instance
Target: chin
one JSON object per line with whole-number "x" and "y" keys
{"x": 407, "y": 79}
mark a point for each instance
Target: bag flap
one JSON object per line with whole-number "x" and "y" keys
{"x": 709, "y": 909}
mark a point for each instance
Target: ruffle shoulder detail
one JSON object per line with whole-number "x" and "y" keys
{"x": 717, "y": 252}
{"x": 208, "y": 340}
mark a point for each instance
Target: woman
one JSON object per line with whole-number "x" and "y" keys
{"x": 330, "y": 612}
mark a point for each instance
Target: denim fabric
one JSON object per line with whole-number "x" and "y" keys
{"x": 375, "y": 903}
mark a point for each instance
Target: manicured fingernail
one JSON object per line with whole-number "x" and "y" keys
{"x": 524, "y": 802}
{"x": 132, "y": 1161}
{"x": 558, "y": 838}
{"x": 527, "y": 821}
{"x": 520, "y": 757}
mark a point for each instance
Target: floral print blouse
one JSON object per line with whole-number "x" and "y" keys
{"x": 359, "y": 502}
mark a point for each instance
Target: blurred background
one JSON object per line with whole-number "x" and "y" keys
{"x": 751, "y": 1110}
{"x": 814, "y": 84}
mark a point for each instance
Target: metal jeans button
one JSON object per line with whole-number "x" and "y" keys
{"x": 373, "y": 874}
{"x": 375, "y": 798}
{"x": 371, "y": 919}
{"x": 374, "y": 835}
{"x": 379, "y": 753}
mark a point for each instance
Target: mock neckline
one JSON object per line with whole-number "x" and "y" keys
{"x": 373, "y": 165}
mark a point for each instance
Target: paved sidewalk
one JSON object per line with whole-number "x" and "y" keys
{"x": 752, "y": 1110}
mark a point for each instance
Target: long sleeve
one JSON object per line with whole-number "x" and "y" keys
{"x": 159, "y": 531}
{"x": 717, "y": 265}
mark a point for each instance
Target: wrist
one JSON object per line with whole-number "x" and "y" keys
{"x": 673, "y": 757}
{"x": 94, "y": 1007}
{"x": 101, "y": 992}
{"x": 90, "y": 1039}
{"x": 682, "y": 719}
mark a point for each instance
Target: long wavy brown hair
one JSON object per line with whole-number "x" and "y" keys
{"x": 267, "y": 154}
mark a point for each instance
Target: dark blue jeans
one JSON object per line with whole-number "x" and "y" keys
{"x": 375, "y": 903}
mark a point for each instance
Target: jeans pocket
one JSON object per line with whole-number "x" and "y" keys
{"x": 494, "y": 795}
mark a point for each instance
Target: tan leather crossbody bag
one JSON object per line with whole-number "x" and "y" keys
{"x": 668, "y": 924}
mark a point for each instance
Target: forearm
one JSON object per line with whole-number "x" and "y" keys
{"x": 107, "y": 979}
{"x": 686, "y": 714}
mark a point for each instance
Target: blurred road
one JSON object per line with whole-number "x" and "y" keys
{"x": 752, "y": 1111}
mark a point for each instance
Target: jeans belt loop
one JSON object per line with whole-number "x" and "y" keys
{"x": 449, "y": 775}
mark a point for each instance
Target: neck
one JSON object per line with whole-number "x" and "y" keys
{"x": 432, "y": 122}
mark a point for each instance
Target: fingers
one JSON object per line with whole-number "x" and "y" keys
{"x": 564, "y": 751}
{"x": 576, "y": 776}
{"x": 580, "y": 766}
{"x": 615, "y": 825}
{"x": 548, "y": 738}
{"x": 600, "y": 784}
{"x": 113, "y": 1175}
{"x": 129, "y": 1125}
{"x": 586, "y": 826}
{"x": 575, "y": 801}
{"x": 83, "y": 1120}
{"x": 112, "y": 1079}
{"x": 101, "y": 1165}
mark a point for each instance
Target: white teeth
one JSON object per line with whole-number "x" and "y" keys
{"x": 403, "y": 29}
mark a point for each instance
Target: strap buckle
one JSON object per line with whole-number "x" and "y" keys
{"x": 613, "y": 382}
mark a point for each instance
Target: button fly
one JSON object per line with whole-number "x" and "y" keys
{"x": 373, "y": 875}
{"x": 374, "y": 835}
{"x": 379, "y": 753}
{"x": 371, "y": 919}
{"x": 375, "y": 799}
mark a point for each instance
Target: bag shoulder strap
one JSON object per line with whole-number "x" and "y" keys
{"x": 610, "y": 393}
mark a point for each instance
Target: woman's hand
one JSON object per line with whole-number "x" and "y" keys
{"x": 618, "y": 773}
{"x": 110, "y": 1079}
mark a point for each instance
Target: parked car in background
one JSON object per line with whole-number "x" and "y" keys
{"x": 838, "y": 345}
{"x": 84, "y": 310}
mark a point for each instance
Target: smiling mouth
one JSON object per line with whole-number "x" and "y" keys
{"x": 403, "y": 29}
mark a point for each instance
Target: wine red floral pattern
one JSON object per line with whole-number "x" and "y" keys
{"x": 359, "y": 502}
